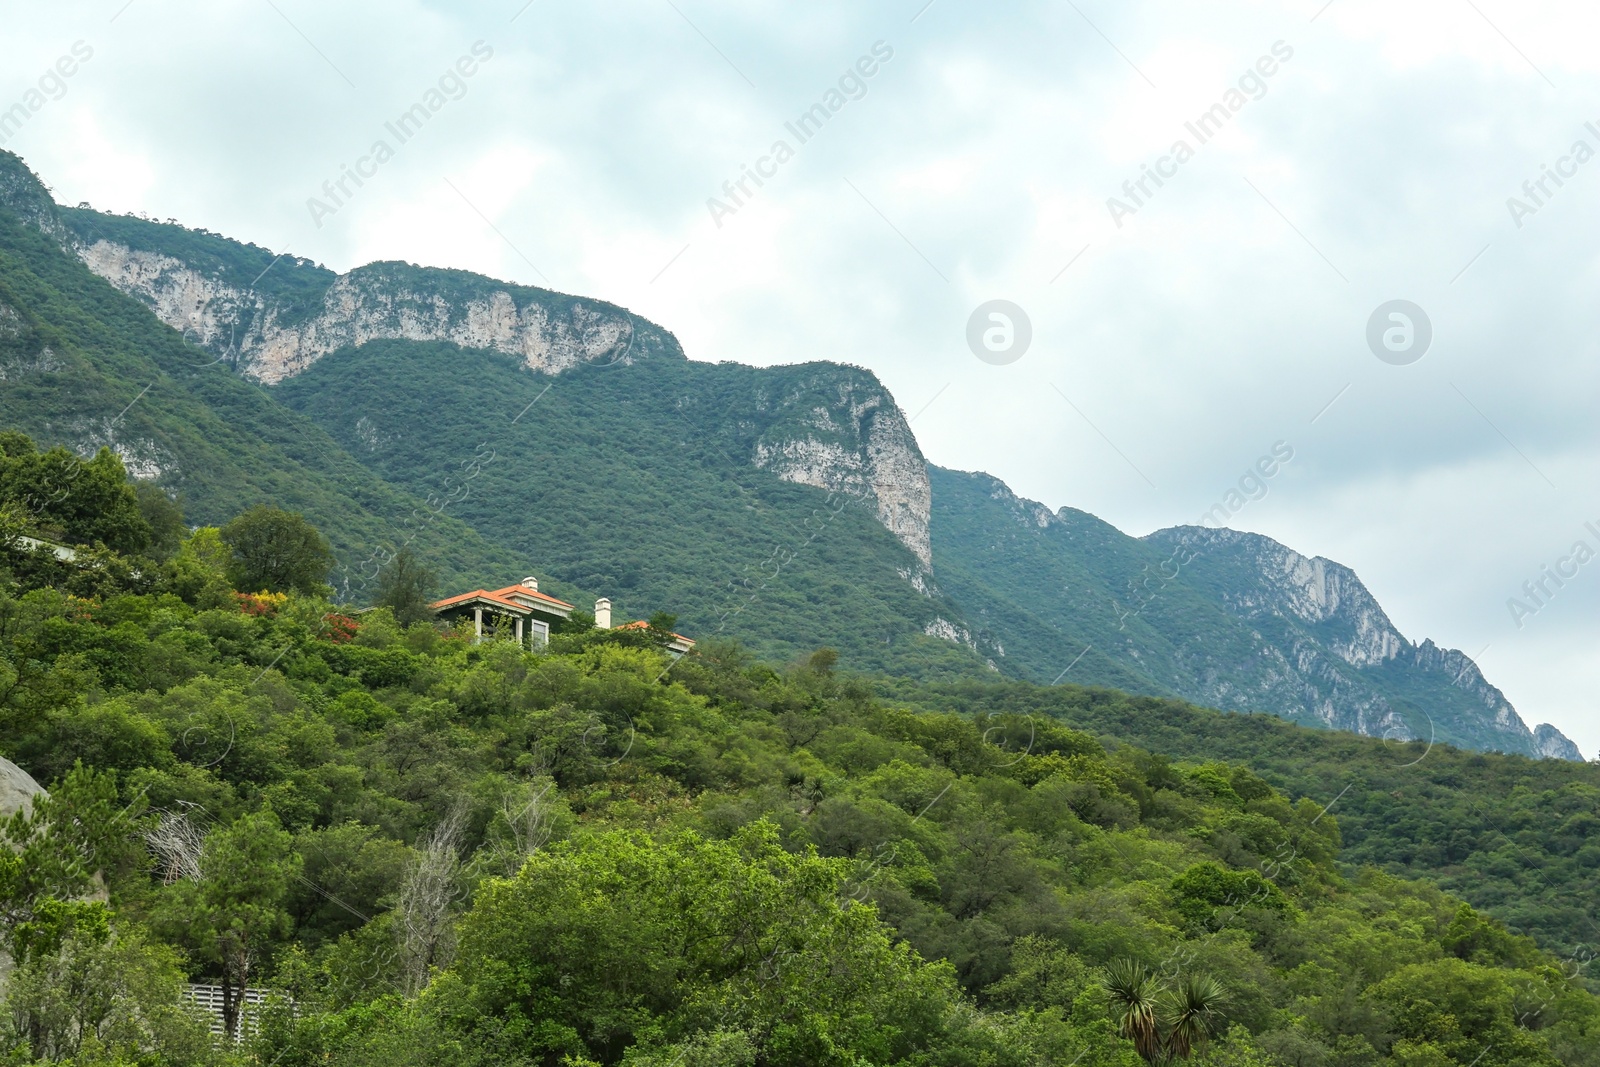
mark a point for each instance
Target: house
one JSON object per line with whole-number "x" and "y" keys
{"x": 529, "y": 614}
{"x": 677, "y": 646}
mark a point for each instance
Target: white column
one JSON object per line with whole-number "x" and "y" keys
{"x": 519, "y": 630}
{"x": 477, "y": 624}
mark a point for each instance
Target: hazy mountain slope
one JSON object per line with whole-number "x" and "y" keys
{"x": 84, "y": 365}
{"x": 1314, "y": 609}
{"x": 1235, "y": 621}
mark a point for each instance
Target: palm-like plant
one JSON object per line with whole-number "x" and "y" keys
{"x": 1134, "y": 991}
{"x": 1192, "y": 1010}
{"x": 1164, "y": 1023}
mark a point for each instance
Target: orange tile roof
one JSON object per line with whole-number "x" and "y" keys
{"x": 522, "y": 590}
{"x": 642, "y": 623}
{"x": 479, "y": 594}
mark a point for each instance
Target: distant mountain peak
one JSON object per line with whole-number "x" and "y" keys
{"x": 1332, "y": 601}
{"x": 22, "y": 193}
{"x": 1312, "y": 589}
{"x": 1553, "y": 744}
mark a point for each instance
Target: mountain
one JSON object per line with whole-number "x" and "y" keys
{"x": 1226, "y": 619}
{"x": 86, "y": 366}
{"x": 757, "y": 504}
{"x": 622, "y": 482}
{"x": 504, "y": 429}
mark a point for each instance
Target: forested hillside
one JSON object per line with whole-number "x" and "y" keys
{"x": 1514, "y": 836}
{"x": 635, "y": 483}
{"x": 1219, "y": 617}
{"x": 85, "y": 366}
{"x": 432, "y": 851}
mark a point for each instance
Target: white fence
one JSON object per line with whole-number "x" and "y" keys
{"x": 209, "y": 997}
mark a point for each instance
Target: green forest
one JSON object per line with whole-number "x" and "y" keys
{"x": 411, "y": 848}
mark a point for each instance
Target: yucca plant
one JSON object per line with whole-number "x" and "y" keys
{"x": 1134, "y": 992}
{"x": 1191, "y": 1010}
{"x": 1164, "y": 1023}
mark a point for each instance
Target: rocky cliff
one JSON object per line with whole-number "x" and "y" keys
{"x": 272, "y": 339}
{"x": 1356, "y": 670}
{"x": 272, "y": 317}
{"x": 1222, "y": 618}
{"x": 1242, "y": 622}
{"x": 837, "y": 428}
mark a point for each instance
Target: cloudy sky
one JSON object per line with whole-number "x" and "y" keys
{"x": 1175, "y": 338}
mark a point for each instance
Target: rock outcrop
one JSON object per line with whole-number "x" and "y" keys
{"x": 270, "y": 317}
{"x": 840, "y": 430}
{"x": 1551, "y": 743}
{"x": 271, "y": 339}
{"x": 17, "y": 789}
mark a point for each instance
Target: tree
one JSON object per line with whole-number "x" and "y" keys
{"x": 1450, "y": 1010}
{"x": 424, "y": 927}
{"x": 1193, "y": 1009}
{"x": 1134, "y": 990}
{"x": 665, "y": 949}
{"x": 235, "y": 909}
{"x": 406, "y": 587}
{"x": 114, "y": 989}
{"x": 1164, "y": 1023}
{"x": 164, "y": 515}
{"x": 823, "y": 660}
{"x": 76, "y": 500}
{"x": 277, "y": 551}
{"x": 199, "y": 571}
{"x": 50, "y": 853}
{"x": 32, "y": 681}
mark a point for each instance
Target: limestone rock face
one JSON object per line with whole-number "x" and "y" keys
{"x": 1341, "y": 661}
{"x": 271, "y": 317}
{"x": 850, "y": 437}
{"x": 17, "y": 789}
{"x": 271, "y": 337}
{"x": 839, "y": 429}
{"x": 1553, "y": 744}
{"x": 1315, "y": 591}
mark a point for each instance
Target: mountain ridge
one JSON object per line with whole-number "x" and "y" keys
{"x": 1248, "y": 624}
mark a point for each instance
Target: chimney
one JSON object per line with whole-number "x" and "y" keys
{"x": 530, "y": 582}
{"x": 602, "y": 613}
